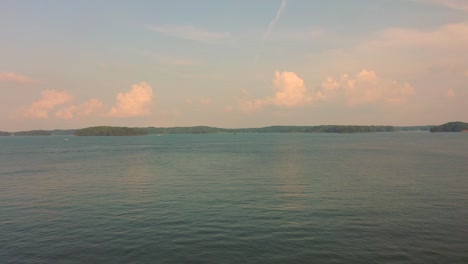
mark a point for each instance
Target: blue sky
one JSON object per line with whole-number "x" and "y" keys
{"x": 72, "y": 64}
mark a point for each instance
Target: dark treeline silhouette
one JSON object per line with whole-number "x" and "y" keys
{"x": 451, "y": 127}
{"x": 111, "y": 131}
{"x": 136, "y": 131}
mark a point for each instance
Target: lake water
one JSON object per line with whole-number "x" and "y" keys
{"x": 245, "y": 198}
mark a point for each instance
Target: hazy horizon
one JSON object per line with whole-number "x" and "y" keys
{"x": 232, "y": 64}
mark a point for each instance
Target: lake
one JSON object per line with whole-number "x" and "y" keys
{"x": 244, "y": 198}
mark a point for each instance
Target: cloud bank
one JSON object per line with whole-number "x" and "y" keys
{"x": 363, "y": 89}
{"x": 59, "y": 104}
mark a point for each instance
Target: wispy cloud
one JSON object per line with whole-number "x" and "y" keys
{"x": 171, "y": 60}
{"x": 299, "y": 35}
{"x": 450, "y": 36}
{"x": 193, "y": 33}
{"x": 12, "y": 77}
{"x": 452, "y": 4}
{"x": 272, "y": 23}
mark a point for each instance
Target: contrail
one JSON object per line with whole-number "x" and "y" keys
{"x": 270, "y": 28}
{"x": 273, "y": 22}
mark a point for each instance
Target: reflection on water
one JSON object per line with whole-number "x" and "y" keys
{"x": 290, "y": 169}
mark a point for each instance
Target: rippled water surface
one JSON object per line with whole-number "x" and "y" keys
{"x": 246, "y": 198}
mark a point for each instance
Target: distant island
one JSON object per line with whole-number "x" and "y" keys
{"x": 451, "y": 127}
{"x": 139, "y": 131}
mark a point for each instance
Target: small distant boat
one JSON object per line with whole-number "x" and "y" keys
{"x": 66, "y": 139}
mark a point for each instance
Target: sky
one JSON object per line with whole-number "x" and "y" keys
{"x": 232, "y": 64}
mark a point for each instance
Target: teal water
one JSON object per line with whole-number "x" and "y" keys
{"x": 246, "y": 198}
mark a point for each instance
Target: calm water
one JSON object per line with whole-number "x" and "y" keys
{"x": 246, "y": 198}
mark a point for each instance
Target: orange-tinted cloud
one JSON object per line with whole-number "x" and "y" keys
{"x": 49, "y": 101}
{"x": 67, "y": 112}
{"x": 199, "y": 100}
{"x": 12, "y": 77}
{"x": 91, "y": 107}
{"x": 450, "y": 93}
{"x": 290, "y": 90}
{"x": 135, "y": 102}
{"x": 368, "y": 88}
{"x": 453, "y": 4}
{"x": 365, "y": 88}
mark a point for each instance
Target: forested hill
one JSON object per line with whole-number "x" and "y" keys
{"x": 111, "y": 131}
{"x": 451, "y": 127}
{"x": 278, "y": 129}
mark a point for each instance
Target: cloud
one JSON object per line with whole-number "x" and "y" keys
{"x": 167, "y": 59}
{"x": 452, "y": 4}
{"x": 273, "y": 22}
{"x": 11, "y": 77}
{"x": 298, "y": 35}
{"x": 363, "y": 89}
{"x": 193, "y": 33}
{"x": 368, "y": 88}
{"x": 206, "y": 101}
{"x": 411, "y": 53}
{"x": 50, "y": 100}
{"x": 290, "y": 90}
{"x": 450, "y": 36}
{"x": 91, "y": 107}
{"x": 135, "y": 102}
{"x": 58, "y": 104}
{"x": 450, "y": 93}
{"x": 228, "y": 109}
{"x": 199, "y": 100}
{"x": 66, "y": 113}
